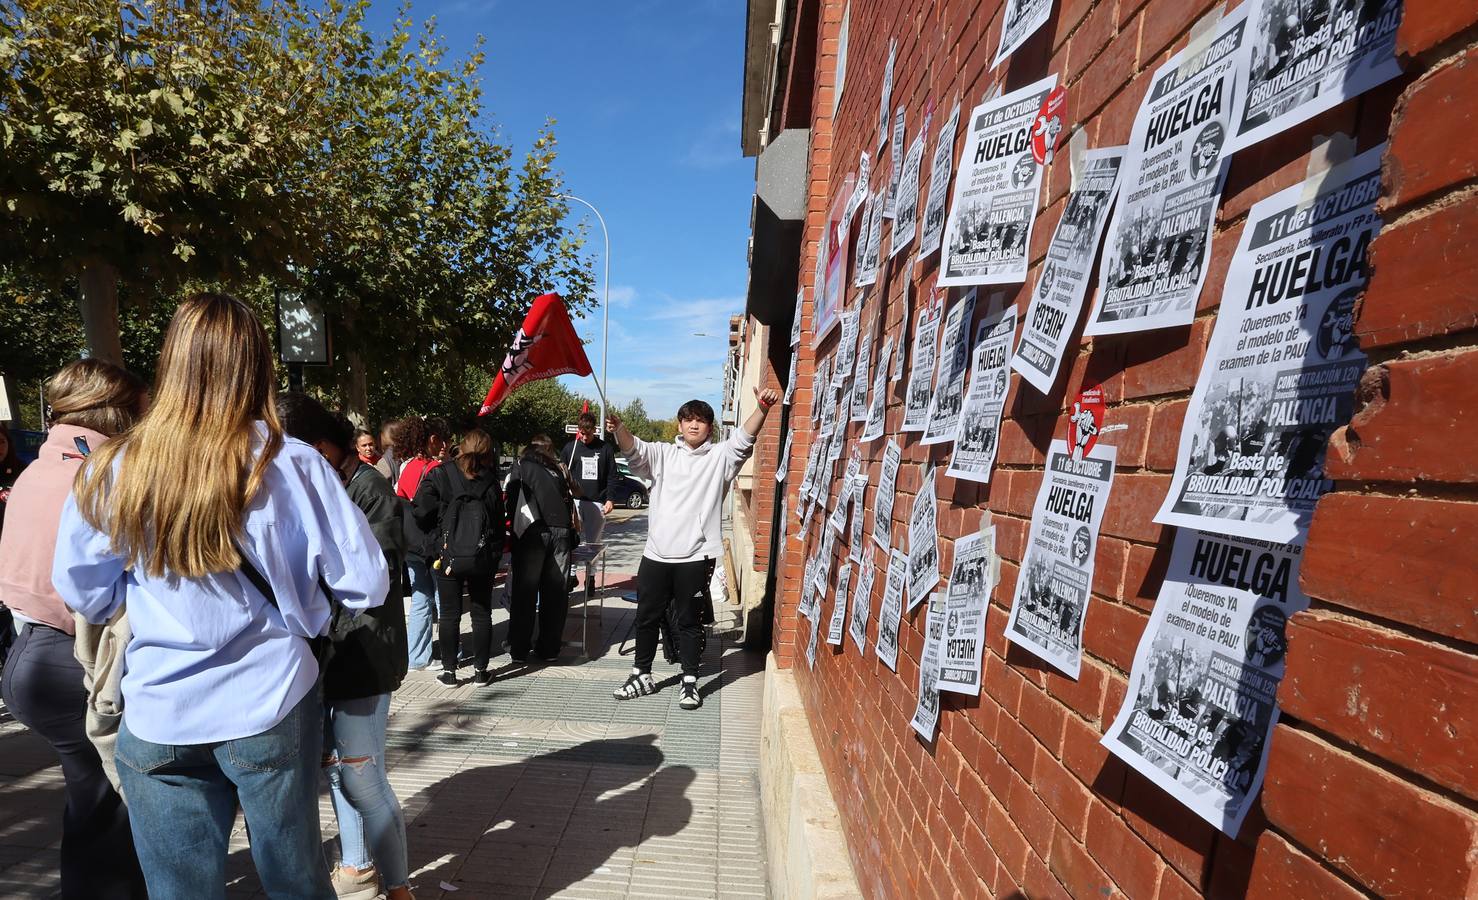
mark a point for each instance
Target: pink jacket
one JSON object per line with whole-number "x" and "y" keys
{"x": 32, "y": 518}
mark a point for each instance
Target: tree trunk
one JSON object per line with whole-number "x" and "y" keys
{"x": 355, "y": 385}
{"x": 97, "y": 299}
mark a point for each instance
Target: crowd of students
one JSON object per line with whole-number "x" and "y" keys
{"x": 206, "y": 584}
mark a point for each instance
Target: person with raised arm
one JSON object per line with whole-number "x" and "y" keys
{"x": 689, "y": 478}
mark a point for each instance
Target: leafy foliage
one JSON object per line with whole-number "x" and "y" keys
{"x": 251, "y": 146}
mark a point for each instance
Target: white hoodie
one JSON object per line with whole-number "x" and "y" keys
{"x": 688, "y": 488}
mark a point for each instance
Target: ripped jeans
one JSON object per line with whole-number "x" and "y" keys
{"x": 371, "y": 824}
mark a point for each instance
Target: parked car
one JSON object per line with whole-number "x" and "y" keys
{"x": 623, "y": 468}
{"x": 630, "y": 493}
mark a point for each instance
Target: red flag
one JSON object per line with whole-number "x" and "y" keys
{"x": 545, "y": 346}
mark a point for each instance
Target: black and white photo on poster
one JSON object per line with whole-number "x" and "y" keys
{"x": 1306, "y": 56}
{"x": 1202, "y": 699}
{"x": 977, "y": 433}
{"x": 1021, "y": 21}
{"x": 890, "y": 196}
{"x": 990, "y": 219}
{"x": 795, "y": 323}
{"x": 846, "y": 354}
{"x": 1282, "y": 366}
{"x": 861, "y": 375}
{"x": 965, "y": 601}
{"x": 869, "y": 256}
{"x": 890, "y": 614}
{"x": 885, "y": 101}
{"x": 921, "y": 368}
{"x": 856, "y": 543}
{"x": 1159, "y": 239}
{"x": 923, "y": 542}
{"x": 926, "y": 713}
{"x": 949, "y": 388}
{"x": 882, "y": 513}
{"x": 862, "y": 604}
{"x": 877, "y": 406}
{"x": 783, "y": 467}
{"x": 1057, "y": 296}
{"x": 936, "y": 199}
{"x": 906, "y": 204}
{"x": 838, "y": 622}
{"x": 1053, "y": 586}
{"x": 815, "y": 630}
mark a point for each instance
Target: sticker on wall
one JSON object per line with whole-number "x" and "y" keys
{"x": 1047, "y": 128}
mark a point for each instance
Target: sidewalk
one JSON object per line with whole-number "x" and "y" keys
{"x": 538, "y": 785}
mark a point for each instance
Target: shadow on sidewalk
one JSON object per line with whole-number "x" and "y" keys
{"x": 534, "y": 827}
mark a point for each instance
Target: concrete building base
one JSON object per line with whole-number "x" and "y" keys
{"x": 805, "y": 845}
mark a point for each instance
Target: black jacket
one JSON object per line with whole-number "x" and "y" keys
{"x": 543, "y": 491}
{"x": 436, "y": 494}
{"x": 602, "y": 487}
{"x": 370, "y": 654}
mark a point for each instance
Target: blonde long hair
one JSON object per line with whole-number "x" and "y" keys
{"x": 172, "y": 492}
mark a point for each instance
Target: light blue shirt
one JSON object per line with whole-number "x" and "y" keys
{"x": 211, "y": 659}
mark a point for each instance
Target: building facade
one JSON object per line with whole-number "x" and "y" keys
{"x": 1371, "y": 776}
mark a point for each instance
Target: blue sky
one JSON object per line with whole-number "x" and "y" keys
{"x": 646, "y": 98}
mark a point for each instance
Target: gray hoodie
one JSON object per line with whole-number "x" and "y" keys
{"x": 688, "y": 488}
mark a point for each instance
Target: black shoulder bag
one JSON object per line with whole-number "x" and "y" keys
{"x": 321, "y": 645}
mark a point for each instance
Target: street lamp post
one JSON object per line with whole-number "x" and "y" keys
{"x": 605, "y": 306}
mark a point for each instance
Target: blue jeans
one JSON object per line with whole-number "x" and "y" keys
{"x": 423, "y": 610}
{"x": 371, "y": 824}
{"x": 182, "y": 801}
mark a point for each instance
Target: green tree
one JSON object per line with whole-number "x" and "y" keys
{"x": 541, "y": 406}
{"x": 433, "y": 241}
{"x": 146, "y": 144}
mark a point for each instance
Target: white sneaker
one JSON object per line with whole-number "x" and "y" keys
{"x": 363, "y": 885}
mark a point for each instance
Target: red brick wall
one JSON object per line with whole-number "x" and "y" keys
{"x": 1373, "y": 773}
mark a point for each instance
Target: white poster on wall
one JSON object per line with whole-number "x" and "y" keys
{"x": 977, "y": 435}
{"x": 937, "y": 199}
{"x": 1056, "y": 577}
{"x": 1062, "y": 283}
{"x": 1021, "y": 21}
{"x": 926, "y": 713}
{"x": 906, "y": 206}
{"x": 1159, "y": 240}
{"x": 921, "y": 369}
{"x": 1202, "y": 699}
{"x": 923, "y": 542}
{"x": 949, "y": 388}
{"x": 1283, "y": 365}
{"x": 965, "y": 603}
{"x": 988, "y": 232}
{"x": 891, "y": 613}
{"x": 882, "y": 514}
{"x": 1302, "y": 57}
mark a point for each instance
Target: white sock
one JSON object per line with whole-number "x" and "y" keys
{"x": 690, "y": 679}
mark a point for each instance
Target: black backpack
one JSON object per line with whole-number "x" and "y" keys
{"x": 468, "y": 543}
